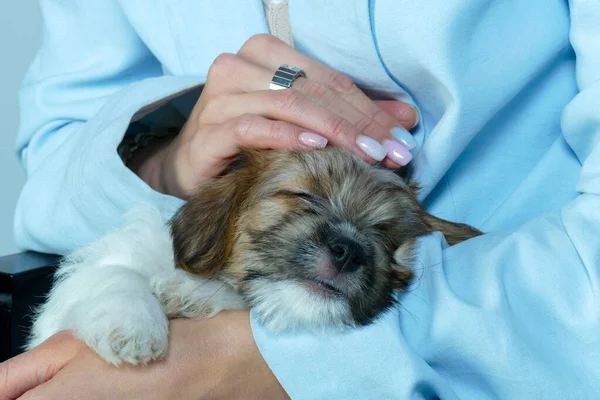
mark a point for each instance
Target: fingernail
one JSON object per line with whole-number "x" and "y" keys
{"x": 397, "y": 152}
{"x": 372, "y": 147}
{"x": 417, "y": 117}
{"x": 404, "y": 137}
{"x": 313, "y": 140}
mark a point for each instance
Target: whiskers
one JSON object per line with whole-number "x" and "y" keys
{"x": 205, "y": 303}
{"x": 185, "y": 295}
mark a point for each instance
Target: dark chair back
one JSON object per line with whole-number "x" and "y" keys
{"x": 25, "y": 279}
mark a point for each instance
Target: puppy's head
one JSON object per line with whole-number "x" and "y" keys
{"x": 311, "y": 239}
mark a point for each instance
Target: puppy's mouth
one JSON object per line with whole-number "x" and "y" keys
{"x": 320, "y": 287}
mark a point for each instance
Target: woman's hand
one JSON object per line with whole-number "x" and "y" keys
{"x": 236, "y": 109}
{"x": 213, "y": 359}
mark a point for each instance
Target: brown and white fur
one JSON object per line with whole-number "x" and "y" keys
{"x": 310, "y": 240}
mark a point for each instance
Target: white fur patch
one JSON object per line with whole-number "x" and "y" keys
{"x": 287, "y": 306}
{"x": 404, "y": 255}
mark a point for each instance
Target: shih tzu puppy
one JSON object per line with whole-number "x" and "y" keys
{"x": 310, "y": 240}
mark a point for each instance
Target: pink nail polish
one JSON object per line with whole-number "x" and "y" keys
{"x": 397, "y": 152}
{"x": 313, "y": 140}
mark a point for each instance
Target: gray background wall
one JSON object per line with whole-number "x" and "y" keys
{"x": 20, "y": 37}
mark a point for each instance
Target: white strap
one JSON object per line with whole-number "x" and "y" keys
{"x": 278, "y": 20}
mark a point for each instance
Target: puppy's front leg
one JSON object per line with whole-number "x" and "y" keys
{"x": 103, "y": 293}
{"x": 112, "y": 309}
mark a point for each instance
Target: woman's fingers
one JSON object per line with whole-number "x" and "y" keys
{"x": 270, "y": 52}
{"x": 375, "y": 123}
{"x": 405, "y": 113}
{"x": 209, "y": 150}
{"x": 33, "y": 368}
{"x": 256, "y": 132}
{"x": 230, "y": 73}
{"x": 236, "y": 74}
{"x": 295, "y": 108}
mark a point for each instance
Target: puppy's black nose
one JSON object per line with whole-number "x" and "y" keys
{"x": 346, "y": 254}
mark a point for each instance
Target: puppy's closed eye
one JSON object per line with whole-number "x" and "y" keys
{"x": 307, "y": 196}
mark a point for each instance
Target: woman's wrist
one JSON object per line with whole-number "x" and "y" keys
{"x": 238, "y": 369}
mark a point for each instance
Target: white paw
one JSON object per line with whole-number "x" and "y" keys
{"x": 184, "y": 295}
{"x": 124, "y": 327}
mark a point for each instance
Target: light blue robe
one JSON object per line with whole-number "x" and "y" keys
{"x": 509, "y": 141}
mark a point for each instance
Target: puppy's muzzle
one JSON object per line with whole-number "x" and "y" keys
{"x": 346, "y": 254}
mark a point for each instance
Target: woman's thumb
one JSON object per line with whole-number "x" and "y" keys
{"x": 36, "y": 366}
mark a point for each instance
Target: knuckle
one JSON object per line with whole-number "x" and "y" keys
{"x": 63, "y": 337}
{"x": 212, "y": 109}
{"x": 222, "y": 64}
{"x": 279, "y": 131}
{"x": 367, "y": 124}
{"x": 336, "y": 126}
{"x": 341, "y": 83}
{"x": 243, "y": 124}
{"x": 319, "y": 92}
{"x": 46, "y": 372}
{"x": 259, "y": 43}
{"x": 288, "y": 99}
{"x": 406, "y": 113}
{"x": 379, "y": 115}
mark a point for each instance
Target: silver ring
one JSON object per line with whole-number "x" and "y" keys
{"x": 285, "y": 76}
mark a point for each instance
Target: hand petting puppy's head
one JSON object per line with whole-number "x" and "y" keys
{"x": 311, "y": 239}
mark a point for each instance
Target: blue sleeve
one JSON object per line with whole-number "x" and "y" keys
{"x": 513, "y": 314}
{"x": 91, "y": 77}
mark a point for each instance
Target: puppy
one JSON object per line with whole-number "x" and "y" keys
{"x": 311, "y": 240}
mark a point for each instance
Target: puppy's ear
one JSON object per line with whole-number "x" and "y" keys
{"x": 204, "y": 228}
{"x": 452, "y": 231}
